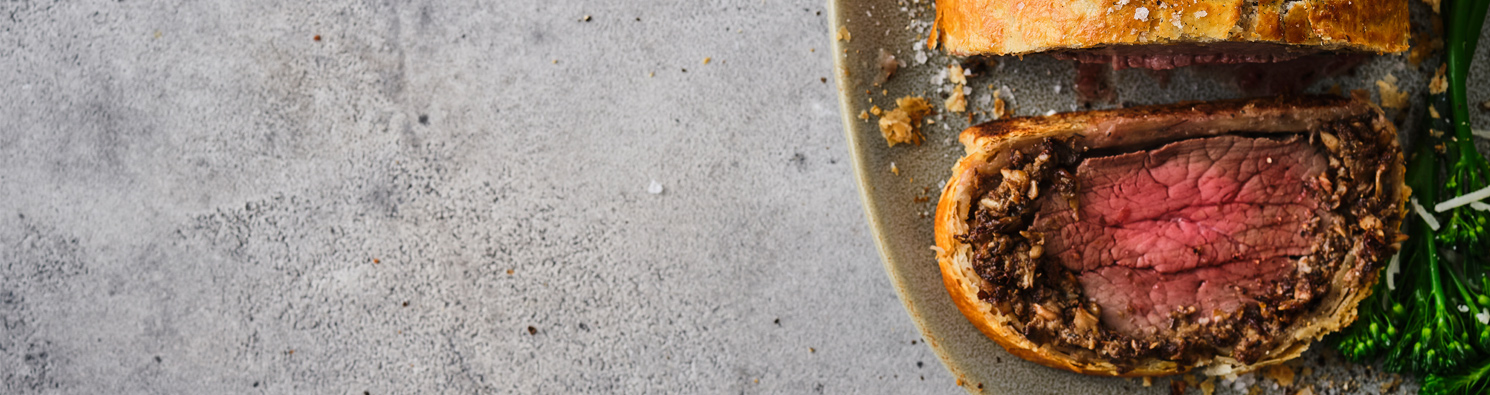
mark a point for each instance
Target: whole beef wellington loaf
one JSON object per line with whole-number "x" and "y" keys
{"x": 1163, "y": 34}
{"x": 1223, "y": 236}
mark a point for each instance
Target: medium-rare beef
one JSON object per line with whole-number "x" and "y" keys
{"x": 1153, "y": 240}
{"x": 1201, "y": 223}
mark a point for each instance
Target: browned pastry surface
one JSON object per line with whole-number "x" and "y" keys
{"x": 1011, "y": 27}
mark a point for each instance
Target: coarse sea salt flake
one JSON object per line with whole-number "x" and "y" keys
{"x": 1141, "y": 14}
{"x": 1200, "y": 14}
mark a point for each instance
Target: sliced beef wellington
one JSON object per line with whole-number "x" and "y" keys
{"x": 1163, "y": 34}
{"x": 1222, "y": 236}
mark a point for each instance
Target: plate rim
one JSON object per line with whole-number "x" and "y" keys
{"x": 872, "y": 208}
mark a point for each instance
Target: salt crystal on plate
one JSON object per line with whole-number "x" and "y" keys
{"x": 654, "y": 188}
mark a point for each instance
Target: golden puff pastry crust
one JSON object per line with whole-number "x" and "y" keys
{"x": 1013, "y": 27}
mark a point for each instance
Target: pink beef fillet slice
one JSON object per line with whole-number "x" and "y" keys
{"x": 1197, "y": 225}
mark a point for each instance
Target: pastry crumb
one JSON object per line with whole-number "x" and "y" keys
{"x": 843, "y": 34}
{"x": 958, "y": 101}
{"x": 864, "y": 115}
{"x": 956, "y": 75}
{"x": 894, "y": 169}
{"x": 1391, "y": 386}
{"x": 1281, "y": 374}
{"x": 1208, "y": 387}
{"x": 998, "y": 107}
{"x": 903, "y": 124}
{"x": 1438, "y": 84}
{"x": 1391, "y": 97}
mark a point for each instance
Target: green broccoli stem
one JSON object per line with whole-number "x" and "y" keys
{"x": 1441, "y": 304}
{"x": 1461, "y": 37}
{"x": 1480, "y": 332}
{"x": 1449, "y": 352}
{"x": 1422, "y": 172}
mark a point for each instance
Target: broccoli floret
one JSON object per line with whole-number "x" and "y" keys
{"x": 1434, "y": 340}
{"x": 1473, "y": 381}
{"x": 1465, "y": 233}
{"x": 1375, "y": 329}
{"x": 1466, "y": 226}
{"x": 1446, "y": 295}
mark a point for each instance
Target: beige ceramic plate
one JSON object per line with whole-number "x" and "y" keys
{"x": 901, "y": 185}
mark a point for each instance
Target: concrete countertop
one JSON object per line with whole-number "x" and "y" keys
{"x": 393, "y": 197}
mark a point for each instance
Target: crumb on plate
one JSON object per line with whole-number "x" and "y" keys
{"x": 903, "y": 124}
{"x": 958, "y": 101}
{"x": 1391, "y": 97}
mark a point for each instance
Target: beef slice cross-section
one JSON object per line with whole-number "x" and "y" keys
{"x": 1201, "y": 223}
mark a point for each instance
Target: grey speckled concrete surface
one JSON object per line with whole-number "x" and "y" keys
{"x": 435, "y": 197}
